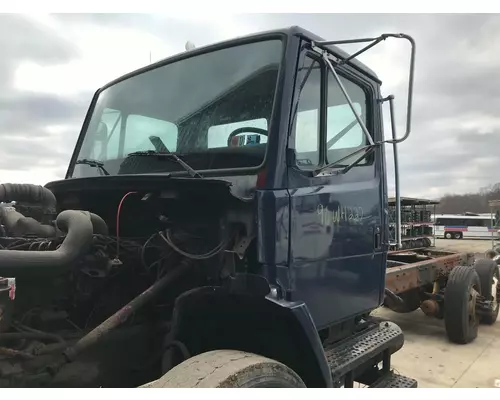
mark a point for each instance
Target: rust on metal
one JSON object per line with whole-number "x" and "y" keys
{"x": 410, "y": 276}
{"x": 430, "y": 307}
{"x": 423, "y": 251}
{"x": 401, "y": 279}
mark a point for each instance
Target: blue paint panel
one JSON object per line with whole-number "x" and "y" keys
{"x": 273, "y": 223}
{"x": 303, "y": 316}
{"x": 334, "y": 266}
{"x": 339, "y": 235}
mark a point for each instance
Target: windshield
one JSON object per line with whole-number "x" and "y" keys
{"x": 212, "y": 110}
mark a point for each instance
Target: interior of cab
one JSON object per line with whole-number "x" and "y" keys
{"x": 204, "y": 138}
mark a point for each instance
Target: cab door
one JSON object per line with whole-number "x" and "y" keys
{"x": 337, "y": 240}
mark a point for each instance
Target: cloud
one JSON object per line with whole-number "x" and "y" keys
{"x": 51, "y": 65}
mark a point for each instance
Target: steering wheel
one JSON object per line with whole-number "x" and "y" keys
{"x": 249, "y": 129}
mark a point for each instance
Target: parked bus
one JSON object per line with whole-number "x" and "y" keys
{"x": 453, "y": 226}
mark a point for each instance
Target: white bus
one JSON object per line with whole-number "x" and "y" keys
{"x": 453, "y": 226}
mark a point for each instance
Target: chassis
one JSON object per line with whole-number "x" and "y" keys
{"x": 444, "y": 285}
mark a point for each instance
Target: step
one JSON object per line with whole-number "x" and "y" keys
{"x": 351, "y": 353}
{"x": 394, "y": 381}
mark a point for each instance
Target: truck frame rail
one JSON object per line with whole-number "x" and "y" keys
{"x": 445, "y": 285}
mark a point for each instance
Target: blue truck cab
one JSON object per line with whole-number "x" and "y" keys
{"x": 279, "y": 134}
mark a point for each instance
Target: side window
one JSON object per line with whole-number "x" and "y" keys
{"x": 344, "y": 133}
{"x": 482, "y": 222}
{"x": 307, "y": 120}
{"x": 475, "y": 222}
{"x": 140, "y": 129}
{"x": 218, "y": 135}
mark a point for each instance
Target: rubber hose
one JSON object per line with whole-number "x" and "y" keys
{"x": 99, "y": 226}
{"x": 28, "y": 225}
{"x": 23, "y": 192}
{"x": 18, "y": 225}
{"x": 79, "y": 230}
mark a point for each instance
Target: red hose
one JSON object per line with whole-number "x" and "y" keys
{"x": 118, "y": 223}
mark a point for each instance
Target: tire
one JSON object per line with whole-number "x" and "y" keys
{"x": 229, "y": 369}
{"x": 448, "y": 235}
{"x": 489, "y": 276}
{"x": 490, "y": 254}
{"x": 457, "y": 235}
{"x": 460, "y": 319}
{"x": 427, "y": 242}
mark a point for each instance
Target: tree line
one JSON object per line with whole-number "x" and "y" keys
{"x": 470, "y": 202}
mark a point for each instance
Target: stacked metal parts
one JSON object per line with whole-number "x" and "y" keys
{"x": 416, "y": 223}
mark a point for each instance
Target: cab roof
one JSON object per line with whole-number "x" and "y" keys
{"x": 296, "y": 31}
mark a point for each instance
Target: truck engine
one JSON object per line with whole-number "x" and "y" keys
{"x": 89, "y": 280}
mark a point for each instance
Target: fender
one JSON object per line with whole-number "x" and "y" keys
{"x": 244, "y": 315}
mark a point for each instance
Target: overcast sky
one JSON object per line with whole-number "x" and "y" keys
{"x": 50, "y": 67}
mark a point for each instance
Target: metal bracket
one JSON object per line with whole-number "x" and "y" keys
{"x": 242, "y": 245}
{"x": 321, "y": 48}
{"x": 326, "y": 57}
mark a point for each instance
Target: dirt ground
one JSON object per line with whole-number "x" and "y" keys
{"x": 429, "y": 357}
{"x": 478, "y": 246}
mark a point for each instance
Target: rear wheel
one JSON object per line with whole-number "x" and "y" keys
{"x": 460, "y": 297}
{"x": 448, "y": 235}
{"x": 489, "y": 277}
{"x": 457, "y": 235}
{"x": 490, "y": 254}
{"x": 229, "y": 369}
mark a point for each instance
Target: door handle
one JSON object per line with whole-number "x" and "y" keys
{"x": 376, "y": 238}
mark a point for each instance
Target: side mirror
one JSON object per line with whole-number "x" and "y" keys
{"x": 372, "y": 42}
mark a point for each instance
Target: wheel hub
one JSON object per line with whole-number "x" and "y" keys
{"x": 473, "y": 295}
{"x": 494, "y": 292}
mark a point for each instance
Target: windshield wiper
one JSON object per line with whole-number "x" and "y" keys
{"x": 93, "y": 163}
{"x": 151, "y": 153}
{"x": 367, "y": 150}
